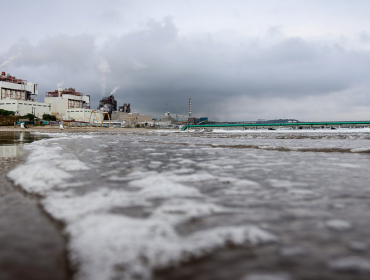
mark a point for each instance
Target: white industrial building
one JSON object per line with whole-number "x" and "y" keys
{"x": 22, "y": 108}
{"x": 63, "y": 100}
{"x": 19, "y": 96}
{"x": 140, "y": 119}
{"x": 84, "y": 115}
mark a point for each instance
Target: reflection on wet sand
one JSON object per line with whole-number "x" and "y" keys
{"x": 31, "y": 245}
{"x": 7, "y": 152}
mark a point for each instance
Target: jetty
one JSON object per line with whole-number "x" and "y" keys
{"x": 293, "y": 125}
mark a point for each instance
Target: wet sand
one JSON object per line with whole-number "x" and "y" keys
{"x": 32, "y": 246}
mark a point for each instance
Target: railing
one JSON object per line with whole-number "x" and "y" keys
{"x": 295, "y": 124}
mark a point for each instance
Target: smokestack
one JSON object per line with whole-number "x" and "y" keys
{"x": 190, "y": 108}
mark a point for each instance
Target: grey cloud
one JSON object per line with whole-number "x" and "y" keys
{"x": 156, "y": 66}
{"x": 62, "y": 51}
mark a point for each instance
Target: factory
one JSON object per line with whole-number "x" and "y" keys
{"x": 62, "y": 101}
{"x": 69, "y": 105}
{"x": 123, "y": 115}
{"x": 19, "y": 96}
{"x": 108, "y": 104}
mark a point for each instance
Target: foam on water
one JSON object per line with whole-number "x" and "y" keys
{"x": 159, "y": 186}
{"x": 117, "y": 247}
{"x": 350, "y": 264}
{"x": 45, "y": 168}
{"x": 134, "y": 203}
{"x": 339, "y": 225}
{"x": 105, "y": 245}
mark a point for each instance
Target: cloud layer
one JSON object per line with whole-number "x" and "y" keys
{"x": 230, "y": 77}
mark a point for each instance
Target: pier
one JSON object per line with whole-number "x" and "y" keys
{"x": 294, "y": 125}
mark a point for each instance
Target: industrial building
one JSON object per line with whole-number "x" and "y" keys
{"x": 66, "y": 104}
{"x": 108, "y": 104}
{"x": 128, "y": 117}
{"x": 84, "y": 115}
{"x": 126, "y": 108}
{"x": 62, "y": 100}
{"x": 19, "y": 96}
{"x": 123, "y": 115}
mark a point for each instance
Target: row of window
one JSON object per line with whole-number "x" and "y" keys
{"x": 24, "y": 104}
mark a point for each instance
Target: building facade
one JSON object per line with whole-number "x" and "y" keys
{"x": 122, "y": 116}
{"x": 84, "y": 115}
{"x": 62, "y": 100}
{"x": 19, "y": 96}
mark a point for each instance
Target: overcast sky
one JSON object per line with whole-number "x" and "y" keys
{"x": 237, "y": 60}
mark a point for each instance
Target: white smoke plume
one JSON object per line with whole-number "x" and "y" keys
{"x": 104, "y": 69}
{"x": 60, "y": 85}
{"x": 114, "y": 90}
{"x": 10, "y": 59}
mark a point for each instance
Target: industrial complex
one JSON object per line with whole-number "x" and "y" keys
{"x": 73, "y": 107}
{"x": 67, "y": 104}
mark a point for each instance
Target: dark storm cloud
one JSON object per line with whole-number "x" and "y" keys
{"x": 155, "y": 66}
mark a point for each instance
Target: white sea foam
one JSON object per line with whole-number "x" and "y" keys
{"x": 358, "y": 246}
{"x": 176, "y": 211}
{"x": 301, "y": 192}
{"x": 158, "y": 186}
{"x": 360, "y": 150}
{"x": 68, "y": 207}
{"x": 267, "y": 276}
{"x": 350, "y": 264}
{"x": 280, "y": 183}
{"x": 45, "y": 167}
{"x": 112, "y": 246}
{"x": 185, "y": 190}
{"x": 339, "y": 225}
{"x": 39, "y": 173}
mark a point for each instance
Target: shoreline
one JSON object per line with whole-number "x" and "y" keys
{"x": 55, "y": 129}
{"x": 32, "y": 244}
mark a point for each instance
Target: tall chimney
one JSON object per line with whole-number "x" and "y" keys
{"x": 189, "y": 107}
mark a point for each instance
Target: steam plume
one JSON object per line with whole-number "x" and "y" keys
{"x": 10, "y": 59}
{"x": 114, "y": 90}
{"x": 60, "y": 85}
{"x": 104, "y": 69}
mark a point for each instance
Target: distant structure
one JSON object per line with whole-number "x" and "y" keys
{"x": 62, "y": 100}
{"x": 277, "y": 121}
{"x": 17, "y": 89}
{"x": 130, "y": 117}
{"x": 125, "y": 108}
{"x": 19, "y": 96}
{"x": 189, "y": 107}
{"x": 108, "y": 104}
{"x": 176, "y": 117}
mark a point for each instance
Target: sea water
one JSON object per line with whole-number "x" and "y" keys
{"x": 250, "y": 205}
